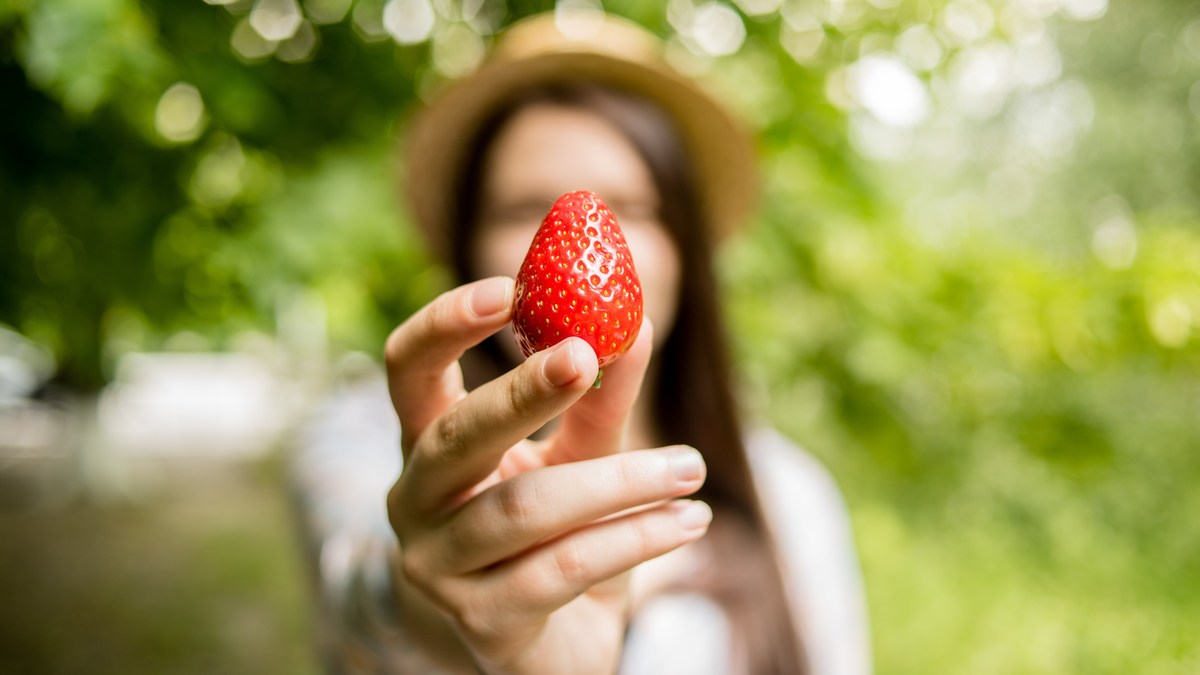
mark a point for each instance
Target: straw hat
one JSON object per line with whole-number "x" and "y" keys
{"x": 599, "y": 48}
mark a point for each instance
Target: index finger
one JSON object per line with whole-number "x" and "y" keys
{"x": 422, "y": 353}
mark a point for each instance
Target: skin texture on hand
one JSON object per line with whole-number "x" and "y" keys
{"x": 523, "y": 546}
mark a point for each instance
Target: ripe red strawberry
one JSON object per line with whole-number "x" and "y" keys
{"x": 578, "y": 279}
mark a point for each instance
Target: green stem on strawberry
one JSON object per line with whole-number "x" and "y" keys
{"x": 596, "y": 384}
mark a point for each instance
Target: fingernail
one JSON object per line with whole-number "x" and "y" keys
{"x": 560, "y": 367}
{"x": 692, "y": 515}
{"x": 687, "y": 465}
{"x": 490, "y": 297}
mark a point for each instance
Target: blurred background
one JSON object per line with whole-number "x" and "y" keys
{"x": 972, "y": 289}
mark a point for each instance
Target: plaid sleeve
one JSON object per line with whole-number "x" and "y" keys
{"x": 343, "y": 461}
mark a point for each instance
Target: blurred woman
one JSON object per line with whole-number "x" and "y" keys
{"x": 534, "y": 524}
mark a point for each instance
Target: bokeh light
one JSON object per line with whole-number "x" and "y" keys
{"x": 276, "y": 20}
{"x": 886, "y": 88}
{"x": 368, "y": 20}
{"x": 179, "y": 116}
{"x": 920, "y": 48}
{"x": 457, "y": 50}
{"x": 326, "y": 11}
{"x": 301, "y": 46}
{"x": 709, "y": 29}
{"x": 249, "y": 44}
{"x": 409, "y": 21}
{"x": 1114, "y": 234}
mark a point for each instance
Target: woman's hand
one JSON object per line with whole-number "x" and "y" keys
{"x": 523, "y": 544}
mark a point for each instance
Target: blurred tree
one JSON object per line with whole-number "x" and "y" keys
{"x": 125, "y": 225}
{"x": 973, "y": 290}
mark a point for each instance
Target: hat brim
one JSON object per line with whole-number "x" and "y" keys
{"x": 441, "y": 134}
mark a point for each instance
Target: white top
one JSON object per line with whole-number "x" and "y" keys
{"x": 347, "y": 458}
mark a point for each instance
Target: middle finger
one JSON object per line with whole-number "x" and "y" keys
{"x": 520, "y": 512}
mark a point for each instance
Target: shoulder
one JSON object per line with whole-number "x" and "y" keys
{"x": 791, "y": 476}
{"x": 799, "y": 494}
{"x": 811, "y": 524}
{"x": 803, "y": 504}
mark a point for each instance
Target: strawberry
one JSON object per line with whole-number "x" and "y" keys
{"x": 578, "y": 279}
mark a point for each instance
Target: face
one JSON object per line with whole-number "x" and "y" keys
{"x": 547, "y": 150}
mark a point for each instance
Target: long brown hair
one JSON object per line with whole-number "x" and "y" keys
{"x": 693, "y": 402}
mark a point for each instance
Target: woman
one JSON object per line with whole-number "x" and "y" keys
{"x": 645, "y": 530}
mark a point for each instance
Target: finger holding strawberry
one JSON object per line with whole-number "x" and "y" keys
{"x": 521, "y": 546}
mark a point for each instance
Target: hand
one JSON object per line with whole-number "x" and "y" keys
{"x": 523, "y": 545}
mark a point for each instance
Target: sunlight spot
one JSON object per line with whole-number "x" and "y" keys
{"x": 919, "y": 48}
{"x": 248, "y": 44}
{"x": 717, "y": 29}
{"x": 457, "y": 50}
{"x": 1114, "y": 237}
{"x": 1037, "y": 63}
{"x": 887, "y": 89}
{"x": 981, "y": 79}
{"x": 179, "y": 116}
{"x": 299, "y": 47}
{"x": 276, "y": 20}
{"x": 409, "y": 21}
{"x": 804, "y": 45}
{"x": 367, "y": 19}
{"x": 1171, "y": 321}
{"x": 967, "y": 21}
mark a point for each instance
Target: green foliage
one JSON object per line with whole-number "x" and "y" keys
{"x": 985, "y": 321}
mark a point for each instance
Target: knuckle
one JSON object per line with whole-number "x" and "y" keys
{"x": 415, "y": 571}
{"x": 517, "y": 503}
{"x": 642, "y": 536}
{"x": 570, "y": 563}
{"x": 430, "y": 319}
{"x": 476, "y": 621}
{"x": 519, "y": 393}
{"x": 443, "y": 311}
{"x": 461, "y": 538}
{"x": 450, "y": 434}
